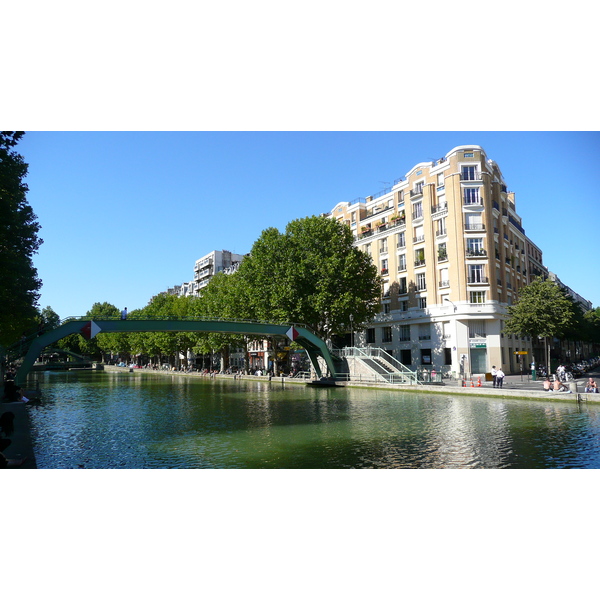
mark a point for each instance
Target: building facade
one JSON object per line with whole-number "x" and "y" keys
{"x": 452, "y": 253}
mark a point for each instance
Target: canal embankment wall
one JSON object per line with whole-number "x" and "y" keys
{"x": 514, "y": 386}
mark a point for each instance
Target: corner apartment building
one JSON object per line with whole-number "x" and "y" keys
{"x": 452, "y": 252}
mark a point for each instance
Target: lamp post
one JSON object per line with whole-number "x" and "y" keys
{"x": 351, "y": 331}
{"x": 448, "y": 300}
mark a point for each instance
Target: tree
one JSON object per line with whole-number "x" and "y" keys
{"x": 311, "y": 274}
{"x": 542, "y": 310}
{"x": 19, "y": 283}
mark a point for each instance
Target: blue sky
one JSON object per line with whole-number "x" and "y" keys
{"x": 124, "y": 215}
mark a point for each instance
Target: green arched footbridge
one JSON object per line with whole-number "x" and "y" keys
{"x": 314, "y": 346}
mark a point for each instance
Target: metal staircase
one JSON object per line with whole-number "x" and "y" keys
{"x": 384, "y": 367}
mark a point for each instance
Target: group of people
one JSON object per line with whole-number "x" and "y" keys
{"x": 497, "y": 377}
{"x": 558, "y": 386}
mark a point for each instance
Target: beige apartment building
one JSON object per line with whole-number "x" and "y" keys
{"x": 452, "y": 252}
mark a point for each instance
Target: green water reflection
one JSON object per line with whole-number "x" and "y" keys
{"x": 119, "y": 420}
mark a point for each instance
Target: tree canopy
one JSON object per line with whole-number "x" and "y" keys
{"x": 542, "y": 310}
{"x": 311, "y": 274}
{"x": 19, "y": 283}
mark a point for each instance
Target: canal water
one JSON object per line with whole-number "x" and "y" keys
{"x": 124, "y": 421}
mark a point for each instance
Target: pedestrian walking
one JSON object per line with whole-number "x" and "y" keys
{"x": 124, "y": 314}
{"x": 499, "y": 377}
{"x": 494, "y": 376}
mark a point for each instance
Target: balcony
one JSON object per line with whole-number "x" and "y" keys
{"x": 438, "y": 209}
{"x": 478, "y": 280}
{"x": 470, "y": 176}
{"x": 444, "y": 284}
{"x": 474, "y": 227}
{"x": 384, "y": 271}
{"x": 472, "y": 201}
{"x": 474, "y": 253}
{"x": 418, "y": 238}
{"x": 417, "y": 214}
{"x": 416, "y": 192}
{"x": 420, "y": 262}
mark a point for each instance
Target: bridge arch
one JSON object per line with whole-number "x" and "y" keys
{"x": 314, "y": 346}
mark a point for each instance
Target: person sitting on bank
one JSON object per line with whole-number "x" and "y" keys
{"x": 547, "y": 384}
{"x": 559, "y": 386}
{"x": 591, "y": 387}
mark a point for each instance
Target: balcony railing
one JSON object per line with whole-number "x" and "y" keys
{"x": 478, "y": 280}
{"x": 474, "y": 226}
{"x": 417, "y": 214}
{"x": 439, "y": 208}
{"x": 473, "y": 201}
{"x": 445, "y": 283}
{"x": 418, "y": 238}
{"x": 416, "y": 192}
{"x": 420, "y": 262}
{"x": 470, "y": 176}
{"x": 424, "y": 337}
{"x": 471, "y": 252}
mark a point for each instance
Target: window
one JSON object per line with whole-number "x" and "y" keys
{"x": 440, "y": 179}
{"x": 474, "y": 223}
{"x": 418, "y": 188}
{"x": 401, "y": 243}
{"x": 383, "y": 246}
{"x": 419, "y": 257}
{"x": 368, "y": 249}
{"x": 402, "y": 262}
{"x": 471, "y": 196}
{"x": 475, "y": 247}
{"x": 441, "y": 226}
{"x": 477, "y": 297}
{"x": 417, "y": 210}
{"x": 447, "y": 356}
{"x": 419, "y": 233}
{"x": 405, "y": 333}
{"x": 424, "y": 332}
{"x": 444, "y": 278}
{"x": 386, "y": 308}
{"x": 384, "y": 266}
{"x": 442, "y": 251}
{"x": 403, "y": 305}
{"x": 405, "y": 357}
{"x": 470, "y": 173}
{"x": 422, "y": 303}
{"x": 426, "y": 356}
{"x": 402, "y": 289}
{"x": 476, "y": 274}
{"x": 386, "y": 335}
{"x": 370, "y": 336}
{"x": 477, "y": 329}
{"x": 421, "y": 285}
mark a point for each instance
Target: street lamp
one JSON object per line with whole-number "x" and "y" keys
{"x": 448, "y": 300}
{"x": 351, "y": 331}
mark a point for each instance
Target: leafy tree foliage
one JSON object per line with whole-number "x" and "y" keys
{"x": 19, "y": 283}
{"x": 311, "y": 274}
{"x": 542, "y": 310}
